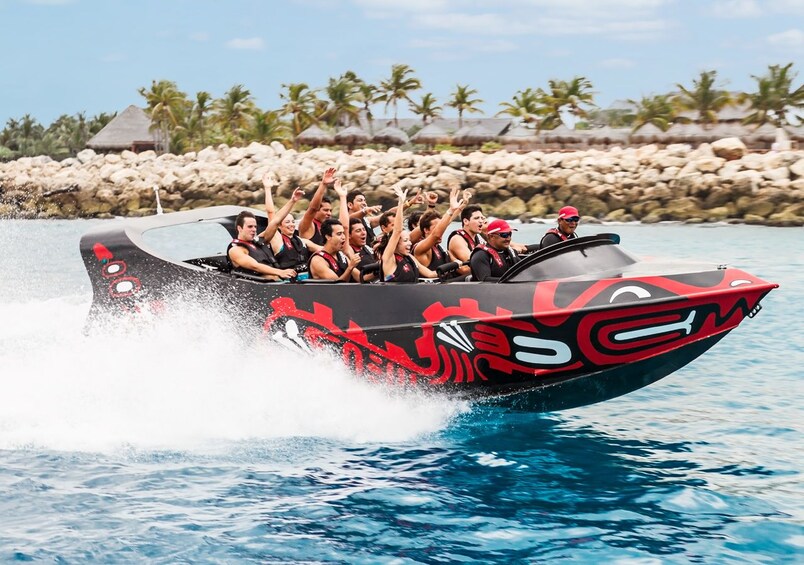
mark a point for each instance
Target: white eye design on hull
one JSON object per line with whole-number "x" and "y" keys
{"x": 684, "y": 325}
{"x": 291, "y": 339}
{"x": 739, "y": 282}
{"x": 124, "y": 287}
{"x": 637, "y": 291}
{"x": 543, "y": 351}
{"x": 454, "y": 335}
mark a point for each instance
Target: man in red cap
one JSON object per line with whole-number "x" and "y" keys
{"x": 568, "y": 219}
{"x": 489, "y": 261}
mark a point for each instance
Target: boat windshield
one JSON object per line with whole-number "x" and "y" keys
{"x": 584, "y": 256}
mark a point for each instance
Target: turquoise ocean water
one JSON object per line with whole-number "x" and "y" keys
{"x": 176, "y": 442}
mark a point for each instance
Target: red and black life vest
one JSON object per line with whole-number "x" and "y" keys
{"x": 405, "y": 272}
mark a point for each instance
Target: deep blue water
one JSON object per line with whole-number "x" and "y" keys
{"x": 174, "y": 442}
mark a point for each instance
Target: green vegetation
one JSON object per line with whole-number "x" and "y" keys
{"x": 182, "y": 123}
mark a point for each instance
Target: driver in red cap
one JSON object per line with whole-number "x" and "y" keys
{"x": 568, "y": 219}
{"x": 489, "y": 261}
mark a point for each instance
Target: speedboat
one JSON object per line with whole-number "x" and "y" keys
{"x": 572, "y": 324}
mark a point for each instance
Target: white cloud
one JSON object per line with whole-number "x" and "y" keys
{"x": 252, "y": 43}
{"x": 787, "y": 6}
{"x": 199, "y": 36}
{"x": 617, "y": 63}
{"x": 790, "y": 39}
{"x": 736, "y": 9}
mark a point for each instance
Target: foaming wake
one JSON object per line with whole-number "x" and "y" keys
{"x": 184, "y": 380}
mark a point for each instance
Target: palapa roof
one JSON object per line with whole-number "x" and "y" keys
{"x": 352, "y": 135}
{"x": 431, "y": 134}
{"x": 129, "y": 127}
{"x": 474, "y": 135}
{"x": 520, "y": 135}
{"x": 561, "y": 134}
{"x": 391, "y": 136}
{"x": 648, "y": 133}
{"x": 607, "y": 134}
{"x": 314, "y": 135}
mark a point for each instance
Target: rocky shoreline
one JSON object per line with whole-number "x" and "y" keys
{"x": 718, "y": 182}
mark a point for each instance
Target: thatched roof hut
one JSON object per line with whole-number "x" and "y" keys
{"x": 476, "y": 135}
{"x": 391, "y": 136}
{"x": 520, "y": 136}
{"x": 648, "y": 133}
{"x": 561, "y": 134}
{"x": 431, "y": 134}
{"x": 316, "y": 137}
{"x": 607, "y": 135}
{"x": 130, "y": 129}
{"x": 681, "y": 133}
{"x": 352, "y": 136}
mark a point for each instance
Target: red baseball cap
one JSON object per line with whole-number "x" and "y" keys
{"x": 568, "y": 212}
{"x": 499, "y": 226}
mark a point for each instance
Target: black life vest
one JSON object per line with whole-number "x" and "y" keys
{"x": 499, "y": 261}
{"x": 405, "y": 272}
{"x": 370, "y": 236}
{"x": 337, "y": 264}
{"x": 557, "y": 232}
{"x": 366, "y": 255}
{"x": 257, "y": 250}
{"x": 472, "y": 242}
{"x": 294, "y": 254}
{"x": 317, "y": 238}
{"x": 437, "y": 257}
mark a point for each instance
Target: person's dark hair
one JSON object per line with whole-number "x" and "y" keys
{"x": 354, "y": 222}
{"x": 413, "y": 220}
{"x": 241, "y": 218}
{"x": 326, "y": 200}
{"x": 350, "y": 198}
{"x": 382, "y": 244}
{"x": 469, "y": 210}
{"x": 327, "y": 226}
{"x": 427, "y": 219}
{"x": 387, "y": 217}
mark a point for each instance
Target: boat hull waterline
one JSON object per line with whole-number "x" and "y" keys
{"x": 547, "y": 343}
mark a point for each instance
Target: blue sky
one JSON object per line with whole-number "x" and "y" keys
{"x": 68, "y": 56}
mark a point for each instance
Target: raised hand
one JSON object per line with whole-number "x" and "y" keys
{"x": 431, "y": 198}
{"x": 297, "y": 195}
{"x": 329, "y": 176}
{"x": 467, "y": 195}
{"x": 401, "y": 193}
{"x": 339, "y": 188}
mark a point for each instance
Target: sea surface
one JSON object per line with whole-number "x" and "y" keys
{"x": 177, "y": 442}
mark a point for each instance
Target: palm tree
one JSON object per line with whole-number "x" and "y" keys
{"x": 166, "y": 103}
{"x": 704, "y": 97}
{"x": 463, "y": 102}
{"x": 268, "y": 127}
{"x": 197, "y": 123}
{"x": 657, "y": 110}
{"x": 398, "y": 87}
{"x": 526, "y": 105}
{"x": 233, "y": 112}
{"x": 574, "y": 96}
{"x": 343, "y": 93}
{"x": 775, "y": 97}
{"x": 427, "y": 108}
{"x": 300, "y": 102}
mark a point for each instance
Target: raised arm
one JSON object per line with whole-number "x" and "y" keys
{"x": 277, "y": 218}
{"x": 456, "y": 206}
{"x": 269, "y": 200}
{"x": 306, "y": 228}
{"x": 388, "y": 259}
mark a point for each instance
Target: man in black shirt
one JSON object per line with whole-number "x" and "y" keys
{"x": 489, "y": 261}
{"x": 568, "y": 219}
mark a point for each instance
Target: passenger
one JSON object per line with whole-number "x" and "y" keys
{"x": 428, "y": 251}
{"x": 397, "y": 264}
{"x": 461, "y": 242}
{"x": 413, "y": 220}
{"x": 568, "y": 219}
{"x": 291, "y": 250}
{"x": 320, "y": 209}
{"x": 387, "y": 221}
{"x": 357, "y": 241}
{"x": 489, "y": 261}
{"x": 330, "y": 262}
{"x": 431, "y": 199}
{"x": 249, "y": 254}
{"x": 369, "y": 216}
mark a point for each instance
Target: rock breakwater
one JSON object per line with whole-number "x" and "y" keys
{"x": 717, "y": 182}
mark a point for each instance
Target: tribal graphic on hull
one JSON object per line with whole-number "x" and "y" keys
{"x": 601, "y": 324}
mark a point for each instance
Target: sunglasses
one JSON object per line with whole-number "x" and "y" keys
{"x": 505, "y": 234}
{"x": 574, "y": 219}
